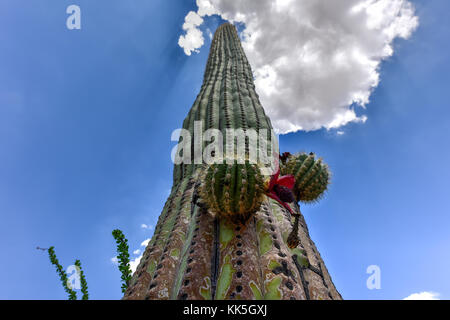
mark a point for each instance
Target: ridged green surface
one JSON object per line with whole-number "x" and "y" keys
{"x": 311, "y": 176}
{"x": 233, "y": 191}
{"x": 227, "y": 98}
{"x": 198, "y": 251}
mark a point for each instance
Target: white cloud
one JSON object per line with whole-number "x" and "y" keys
{"x": 209, "y": 33}
{"x": 314, "y": 61}
{"x": 425, "y": 295}
{"x": 146, "y": 226}
{"x": 193, "y": 39}
{"x": 205, "y": 8}
{"x": 135, "y": 263}
{"x": 145, "y": 242}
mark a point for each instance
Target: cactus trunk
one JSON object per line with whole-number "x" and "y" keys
{"x": 197, "y": 254}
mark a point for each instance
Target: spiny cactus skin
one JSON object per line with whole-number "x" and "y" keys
{"x": 199, "y": 255}
{"x": 233, "y": 191}
{"x": 312, "y": 176}
{"x": 227, "y": 98}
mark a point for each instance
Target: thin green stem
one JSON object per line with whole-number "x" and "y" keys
{"x": 124, "y": 258}
{"x": 62, "y": 273}
{"x": 84, "y": 286}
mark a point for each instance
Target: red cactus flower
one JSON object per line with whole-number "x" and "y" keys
{"x": 280, "y": 189}
{"x": 277, "y": 185}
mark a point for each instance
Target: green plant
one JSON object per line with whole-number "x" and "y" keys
{"x": 84, "y": 286}
{"x": 62, "y": 274}
{"x": 124, "y": 258}
{"x": 311, "y": 176}
{"x": 233, "y": 191}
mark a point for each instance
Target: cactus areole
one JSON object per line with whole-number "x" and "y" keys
{"x": 228, "y": 230}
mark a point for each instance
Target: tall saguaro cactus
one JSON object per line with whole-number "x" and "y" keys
{"x": 198, "y": 254}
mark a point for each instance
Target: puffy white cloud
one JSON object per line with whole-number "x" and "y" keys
{"x": 146, "y": 226}
{"x": 135, "y": 263}
{"x": 114, "y": 260}
{"x": 145, "y": 243}
{"x": 205, "y": 8}
{"x": 425, "y": 295}
{"x": 193, "y": 39}
{"x": 314, "y": 61}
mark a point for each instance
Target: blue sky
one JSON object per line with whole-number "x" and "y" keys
{"x": 85, "y": 123}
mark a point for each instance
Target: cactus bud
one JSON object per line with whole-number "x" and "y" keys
{"x": 311, "y": 176}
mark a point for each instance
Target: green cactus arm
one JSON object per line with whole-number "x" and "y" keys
{"x": 312, "y": 176}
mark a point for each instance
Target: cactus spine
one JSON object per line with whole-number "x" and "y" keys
{"x": 201, "y": 252}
